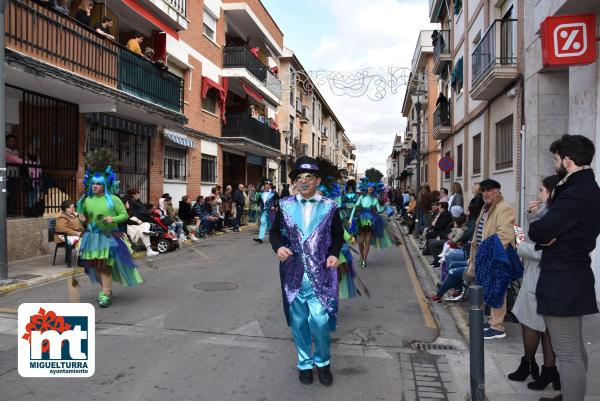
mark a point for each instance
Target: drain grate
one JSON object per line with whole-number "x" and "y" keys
{"x": 422, "y": 346}
{"x": 215, "y": 286}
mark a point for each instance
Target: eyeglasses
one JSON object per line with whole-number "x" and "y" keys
{"x": 306, "y": 177}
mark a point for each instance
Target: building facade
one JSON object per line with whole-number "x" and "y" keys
{"x": 198, "y": 107}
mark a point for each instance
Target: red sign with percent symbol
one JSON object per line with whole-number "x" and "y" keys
{"x": 446, "y": 164}
{"x": 568, "y": 40}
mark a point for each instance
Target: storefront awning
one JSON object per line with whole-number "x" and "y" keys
{"x": 179, "y": 139}
{"x": 120, "y": 124}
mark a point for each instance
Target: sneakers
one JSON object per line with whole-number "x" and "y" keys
{"x": 150, "y": 252}
{"x": 363, "y": 264}
{"x": 455, "y": 296}
{"x": 432, "y": 299}
{"x": 491, "y": 334}
{"x": 182, "y": 238}
{"x": 194, "y": 238}
{"x": 257, "y": 240}
{"x": 103, "y": 300}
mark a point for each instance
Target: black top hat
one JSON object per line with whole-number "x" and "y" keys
{"x": 264, "y": 181}
{"x": 489, "y": 184}
{"x": 304, "y": 164}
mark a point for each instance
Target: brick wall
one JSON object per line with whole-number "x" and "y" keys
{"x": 157, "y": 144}
{"x": 193, "y": 177}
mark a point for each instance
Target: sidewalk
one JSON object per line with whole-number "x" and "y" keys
{"x": 502, "y": 356}
{"x": 37, "y": 271}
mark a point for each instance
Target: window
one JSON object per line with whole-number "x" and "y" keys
{"x": 210, "y": 25}
{"x": 504, "y": 143}
{"x": 175, "y": 163}
{"x": 210, "y": 102}
{"x": 457, "y": 78}
{"x": 447, "y": 173}
{"x": 459, "y": 160}
{"x": 292, "y": 86}
{"x": 457, "y": 6}
{"x": 477, "y": 154}
{"x": 208, "y": 168}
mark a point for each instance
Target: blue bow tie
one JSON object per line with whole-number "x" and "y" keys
{"x": 308, "y": 200}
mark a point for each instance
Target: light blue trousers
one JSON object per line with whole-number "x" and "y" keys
{"x": 264, "y": 218}
{"x": 308, "y": 320}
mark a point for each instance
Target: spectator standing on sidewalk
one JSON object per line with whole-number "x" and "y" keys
{"x": 525, "y": 308}
{"x": 477, "y": 199}
{"x": 246, "y": 206}
{"x": 456, "y": 198}
{"x": 425, "y": 199}
{"x": 567, "y": 235}
{"x": 238, "y": 206}
{"x": 497, "y": 217}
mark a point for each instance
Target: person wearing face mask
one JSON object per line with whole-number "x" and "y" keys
{"x": 567, "y": 235}
{"x": 307, "y": 235}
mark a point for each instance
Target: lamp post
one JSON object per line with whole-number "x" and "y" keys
{"x": 286, "y": 135}
{"x": 3, "y": 236}
{"x": 417, "y": 102}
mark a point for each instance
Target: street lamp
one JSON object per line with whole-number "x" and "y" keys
{"x": 417, "y": 102}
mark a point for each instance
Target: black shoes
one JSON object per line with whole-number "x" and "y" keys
{"x": 325, "y": 376}
{"x": 548, "y": 375}
{"x": 525, "y": 369}
{"x": 305, "y": 376}
{"x": 258, "y": 240}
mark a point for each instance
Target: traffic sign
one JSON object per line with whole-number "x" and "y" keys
{"x": 446, "y": 164}
{"x": 568, "y": 39}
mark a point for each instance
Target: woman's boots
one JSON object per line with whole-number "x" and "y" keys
{"x": 548, "y": 375}
{"x": 526, "y": 368}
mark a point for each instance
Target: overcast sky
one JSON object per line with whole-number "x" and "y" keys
{"x": 345, "y": 35}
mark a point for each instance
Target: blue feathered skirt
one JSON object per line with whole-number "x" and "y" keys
{"x": 370, "y": 220}
{"x": 108, "y": 253}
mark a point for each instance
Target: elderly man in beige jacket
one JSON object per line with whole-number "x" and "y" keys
{"x": 497, "y": 217}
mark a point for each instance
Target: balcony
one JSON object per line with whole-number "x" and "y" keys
{"x": 149, "y": 81}
{"x": 304, "y": 115}
{"x": 239, "y": 62}
{"x": 173, "y": 10}
{"x": 442, "y": 127}
{"x": 250, "y": 135}
{"x": 52, "y": 38}
{"x": 441, "y": 52}
{"x": 494, "y": 60}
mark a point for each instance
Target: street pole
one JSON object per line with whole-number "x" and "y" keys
{"x": 286, "y": 160}
{"x": 476, "y": 350}
{"x": 417, "y": 230}
{"x": 3, "y": 236}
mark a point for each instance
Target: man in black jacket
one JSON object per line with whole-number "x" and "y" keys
{"x": 137, "y": 208}
{"x": 238, "y": 201}
{"x": 440, "y": 226}
{"x": 567, "y": 234}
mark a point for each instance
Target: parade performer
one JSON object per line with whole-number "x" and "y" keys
{"x": 267, "y": 201}
{"x": 370, "y": 225}
{"x": 348, "y": 202}
{"x": 329, "y": 188}
{"x": 307, "y": 236}
{"x": 104, "y": 250}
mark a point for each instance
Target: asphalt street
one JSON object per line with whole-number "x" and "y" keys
{"x": 208, "y": 324}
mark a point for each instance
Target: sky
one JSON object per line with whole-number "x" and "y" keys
{"x": 348, "y": 35}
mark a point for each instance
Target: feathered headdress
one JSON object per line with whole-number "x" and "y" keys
{"x": 372, "y": 178}
{"x": 98, "y": 170}
{"x": 329, "y": 174}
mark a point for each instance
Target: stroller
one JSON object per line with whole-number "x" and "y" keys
{"x": 162, "y": 240}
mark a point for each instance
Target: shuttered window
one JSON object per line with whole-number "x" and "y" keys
{"x": 504, "y": 143}
{"x": 477, "y": 154}
{"x": 459, "y": 160}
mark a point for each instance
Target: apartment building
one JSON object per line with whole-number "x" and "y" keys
{"x": 558, "y": 100}
{"x": 422, "y": 91}
{"x": 308, "y": 124}
{"x": 178, "y": 118}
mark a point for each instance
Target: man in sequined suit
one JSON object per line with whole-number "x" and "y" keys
{"x": 307, "y": 236}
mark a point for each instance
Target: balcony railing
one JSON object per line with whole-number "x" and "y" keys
{"x": 149, "y": 81}
{"x": 57, "y": 39}
{"x": 178, "y": 5}
{"x": 42, "y": 33}
{"x": 442, "y": 44}
{"x": 441, "y": 115}
{"x": 241, "y": 57}
{"x": 497, "y": 47}
{"x": 244, "y": 126}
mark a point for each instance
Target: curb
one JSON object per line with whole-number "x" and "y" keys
{"x": 459, "y": 318}
{"x": 57, "y": 276}
{"x": 39, "y": 280}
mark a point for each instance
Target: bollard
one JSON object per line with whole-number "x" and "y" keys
{"x": 476, "y": 352}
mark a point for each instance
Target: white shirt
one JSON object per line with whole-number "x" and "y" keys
{"x": 265, "y": 196}
{"x": 309, "y": 207}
